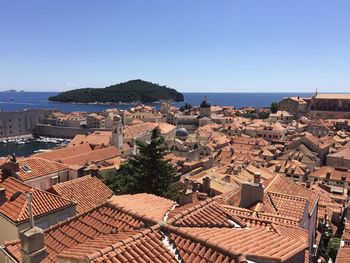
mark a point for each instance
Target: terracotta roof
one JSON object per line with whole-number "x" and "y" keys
{"x": 206, "y": 213}
{"x": 58, "y": 154}
{"x": 226, "y": 244}
{"x": 144, "y": 204}
{"x": 93, "y": 156}
{"x": 146, "y": 246}
{"x": 33, "y": 167}
{"x": 288, "y": 205}
{"x": 104, "y": 220}
{"x": 16, "y": 208}
{"x": 336, "y": 174}
{"x": 96, "y": 138}
{"x": 343, "y": 255}
{"x": 134, "y": 131}
{"x": 344, "y": 153}
{"x": 336, "y": 96}
{"x": 250, "y": 216}
{"x": 288, "y": 166}
{"x": 281, "y": 184}
{"x": 86, "y": 191}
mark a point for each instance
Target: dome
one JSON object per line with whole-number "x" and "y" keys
{"x": 205, "y": 103}
{"x": 181, "y": 133}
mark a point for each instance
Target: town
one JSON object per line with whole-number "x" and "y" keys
{"x": 199, "y": 183}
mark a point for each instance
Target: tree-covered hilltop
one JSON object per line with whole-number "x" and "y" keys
{"x": 130, "y": 91}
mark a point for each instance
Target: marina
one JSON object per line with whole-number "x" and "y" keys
{"x": 28, "y": 146}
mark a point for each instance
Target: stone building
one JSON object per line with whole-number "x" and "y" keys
{"x": 295, "y": 105}
{"x": 21, "y": 122}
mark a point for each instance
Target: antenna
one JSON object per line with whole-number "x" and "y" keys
{"x": 29, "y": 197}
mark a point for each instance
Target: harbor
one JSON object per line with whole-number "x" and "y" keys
{"x": 26, "y": 146}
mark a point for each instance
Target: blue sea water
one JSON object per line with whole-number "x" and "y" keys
{"x": 14, "y": 101}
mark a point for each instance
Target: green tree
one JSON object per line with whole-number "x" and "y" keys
{"x": 274, "y": 107}
{"x": 332, "y": 248}
{"x": 146, "y": 171}
{"x": 186, "y": 107}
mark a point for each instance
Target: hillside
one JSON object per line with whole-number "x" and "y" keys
{"x": 130, "y": 91}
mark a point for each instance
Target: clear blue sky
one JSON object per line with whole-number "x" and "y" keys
{"x": 228, "y": 46}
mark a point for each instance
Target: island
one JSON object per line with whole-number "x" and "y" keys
{"x": 126, "y": 92}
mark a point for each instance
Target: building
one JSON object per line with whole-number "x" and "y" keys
{"x": 96, "y": 121}
{"x": 281, "y": 116}
{"x": 329, "y": 106}
{"x": 340, "y": 159}
{"x": 21, "y": 122}
{"x": 36, "y": 172}
{"x": 139, "y": 228}
{"x": 48, "y": 209}
{"x": 294, "y": 105}
{"x": 117, "y": 132}
{"x": 331, "y": 176}
{"x": 87, "y": 192}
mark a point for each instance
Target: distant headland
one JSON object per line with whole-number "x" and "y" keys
{"x": 126, "y": 92}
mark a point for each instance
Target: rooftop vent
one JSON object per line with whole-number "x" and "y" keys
{"x": 26, "y": 168}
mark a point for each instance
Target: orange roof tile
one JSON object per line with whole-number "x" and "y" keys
{"x": 225, "y": 244}
{"x": 58, "y": 154}
{"x": 144, "y": 204}
{"x": 16, "y": 208}
{"x": 93, "y": 156}
{"x": 103, "y": 220}
{"x": 86, "y": 191}
{"x": 207, "y": 213}
{"x": 33, "y": 167}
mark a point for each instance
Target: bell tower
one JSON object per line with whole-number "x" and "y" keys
{"x": 117, "y": 132}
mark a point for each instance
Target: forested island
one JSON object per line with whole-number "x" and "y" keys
{"x": 126, "y": 92}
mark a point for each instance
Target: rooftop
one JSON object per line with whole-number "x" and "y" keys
{"x": 86, "y": 191}
{"x": 15, "y": 206}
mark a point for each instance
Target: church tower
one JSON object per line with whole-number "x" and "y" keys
{"x": 117, "y": 132}
{"x": 205, "y": 109}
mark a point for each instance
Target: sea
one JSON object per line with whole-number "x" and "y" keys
{"x": 14, "y": 101}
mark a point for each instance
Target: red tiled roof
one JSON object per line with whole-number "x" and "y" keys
{"x": 281, "y": 184}
{"x": 343, "y": 255}
{"x": 207, "y": 213}
{"x": 58, "y": 154}
{"x": 250, "y": 215}
{"x": 144, "y": 247}
{"x": 33, "y": 167}
{"x": 144, "y": 204}
{"x": 225, "y": 244}
{"x": 86, "y": 191}
{"x": 104, "y": 220}
{"x": 93, "y": 156}
{"x": 288, "y": 205}
{"x": 16, "y": 207}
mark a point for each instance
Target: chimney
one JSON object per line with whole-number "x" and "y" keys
{"x": 227, "y": 178}
{"x": 328, "y": 174}
{"x": 32, "y": 239}
{"x": 277, "y": 168}
{"x": 251, "y": 193}
{"x": 186, "y": 183}
{"x": 2, "y": 196}
{"x": 257, "y": 178}
{"x": 206, "y": 184}
{"x": 32, "y": 245}
{"x": 87, "y": 171}
{"x": 185, "y": 196}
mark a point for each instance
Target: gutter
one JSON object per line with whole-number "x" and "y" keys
{"x": 7, "y": 254}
